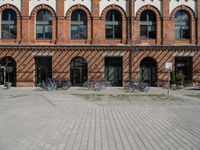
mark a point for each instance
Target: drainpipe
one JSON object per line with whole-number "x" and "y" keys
{"x": 131, "y": 42}
{"x": 0, "y": 25}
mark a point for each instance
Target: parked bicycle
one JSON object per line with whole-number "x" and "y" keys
{"x": 136, "y": 85}
{"x": 55, "y": 84}
{"x": 63, "y": 84}
{"x": 97, "y": 85}
{"x": 49, "y": 85}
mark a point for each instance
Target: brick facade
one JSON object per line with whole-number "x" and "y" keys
{"x": 96, "y": 47}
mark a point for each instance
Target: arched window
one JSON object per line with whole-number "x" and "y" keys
{"x": 44, "y": 25}
{"x": 182, "y": 25}
{"x": 147, "y": 25}
{"x": 9, "y": 24}
{"x": 113, "y": 25}
{"x": 78, "y": 25}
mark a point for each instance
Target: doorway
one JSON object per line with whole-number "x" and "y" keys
{"x": 113, "y": 70}
{"x": 184, "y": 65}
{"x": 148, "y": 71}
{"x": 10, "y": 69}
{"x": 43, "y": 69}
{"x": 78, "y": 71}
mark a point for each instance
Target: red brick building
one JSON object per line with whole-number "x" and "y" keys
{"x": 107, "y": 39}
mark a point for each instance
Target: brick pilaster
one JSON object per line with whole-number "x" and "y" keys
{"x": 25, "y": 22}
{"x": 61, "y": 28}
{"x": 166, "y": 23}
{"x": 96, "y": 27}
{"x": 198, "y": 22}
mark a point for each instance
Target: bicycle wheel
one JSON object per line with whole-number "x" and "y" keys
{"x": 145, "y": 87}
{"x": 39, "y": 87}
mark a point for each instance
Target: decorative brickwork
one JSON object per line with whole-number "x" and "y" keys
{"x": 113, "y": 7}
{"x": 9, "y": 6}
{"x": 78, "y": 7}
{"x": 164, "y": 48}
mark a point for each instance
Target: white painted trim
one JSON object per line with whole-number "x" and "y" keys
{"x": 156, "y": 3}
{"x": 16, "y": 3}
{"x": 35, "y": 3}
{"x": 69, "y": 3}
{"x": 189, "y": 3}
{"x": 105, "y": 3}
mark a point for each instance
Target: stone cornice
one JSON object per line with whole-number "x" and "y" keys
{"x": 63, "y": 47}
{"x": 98, "y": 48}
{"x": 167, "y": 48}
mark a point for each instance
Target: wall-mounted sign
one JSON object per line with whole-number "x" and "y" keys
{"x": 168, "y": 66}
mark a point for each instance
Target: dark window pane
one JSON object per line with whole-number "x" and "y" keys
{"x": 9, "y": 24}
{"x": 186, "y": 33}
{"x": 177, "y": 32}
{"x": 109, "y": 31}
{"x": 143, "y": 31}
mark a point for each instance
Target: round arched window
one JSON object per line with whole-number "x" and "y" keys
{"x": 44, "y": 25}
{"x": 9, "y": 24}
{"x": 182, "y": 25}
{"x": 113, "y": 25}
{"x": 78, "y": 25}
{"x": 147, "y": 25}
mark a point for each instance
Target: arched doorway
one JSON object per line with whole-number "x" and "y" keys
{"x": 148, "y": 71}
{"x": 10, "y": 69}
{"x": 78, "y": 71}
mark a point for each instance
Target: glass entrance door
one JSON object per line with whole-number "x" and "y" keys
{"x": 184, "y": 65}
{"x": 78, "y": 71}
{"x": 113, "y": 70}
{"x": 148, "y": 71}
{"x": 10, "y": 70}
{"x": 43, "y": 69}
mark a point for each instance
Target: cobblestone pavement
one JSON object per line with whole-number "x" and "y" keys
{"x": 78, "y": 120}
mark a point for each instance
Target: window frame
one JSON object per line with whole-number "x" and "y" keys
{"x": 45, "y": 24}
{"x": 182, "y": 24}
{"x": 9, "y": 25}
{"x": 113, "y": 24}
{"x": 148, "y": 24}
{"x": 79, "y": 24}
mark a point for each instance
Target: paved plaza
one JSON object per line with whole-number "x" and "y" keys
{"x": 112, "y": 119}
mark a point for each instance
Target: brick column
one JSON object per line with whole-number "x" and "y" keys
{"x": 61, "y": 28}
{"x": 166, "y": 36}
{"x": 193, "y": 31}
{"x": 124, "y": 30}
{"x": 95, "y": 28}
{"x": 198, "y": 21}
{"x": 159, "y": 31}
{"x": 131, "y": 32}
{"x": 0, "y": 25}
{"x": 25, "y": 22}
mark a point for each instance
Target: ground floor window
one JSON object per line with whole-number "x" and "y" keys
{"x": 184, "y": 65}
{"x": 113, "y": 70}
{"x": 43, "y": 69}
{"x": 148, "y": 71}
{"x": 10, "y": 71}
{"x": 78, "y": 71}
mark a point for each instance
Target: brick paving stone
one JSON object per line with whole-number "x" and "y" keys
{"x": 86, "y": 120}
